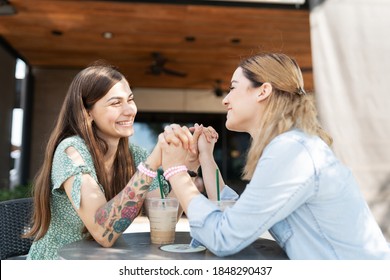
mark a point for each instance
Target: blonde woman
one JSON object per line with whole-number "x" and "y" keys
{"x": 298, "y": 190}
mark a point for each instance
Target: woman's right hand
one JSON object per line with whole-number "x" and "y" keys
{"x": 206, "y": 145}
{"x": 154, "y": 159}
{"x": 207, "y": 142}
{"x": 192, "y": 160}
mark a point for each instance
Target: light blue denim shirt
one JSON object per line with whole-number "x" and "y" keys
{"x": 306, "y": 198}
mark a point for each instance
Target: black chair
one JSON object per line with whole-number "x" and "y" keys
{"x": 15, "y": 218}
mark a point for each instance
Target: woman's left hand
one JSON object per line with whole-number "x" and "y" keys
{"x": 175, "y": 143}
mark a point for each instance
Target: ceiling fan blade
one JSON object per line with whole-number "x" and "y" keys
{"x": 174, "y": 72}
{"x": 157, "y": 66}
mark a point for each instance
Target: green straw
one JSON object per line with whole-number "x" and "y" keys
{"x": 160, "y": 183}
{"x": 217, "y": 179}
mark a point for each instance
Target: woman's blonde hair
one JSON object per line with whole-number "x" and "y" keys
{"x": 289, "y": 106}
{"x": 89, "y": 86}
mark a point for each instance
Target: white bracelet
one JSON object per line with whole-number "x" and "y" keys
{"x": 142, "y": 168}
{"x": 174, "y": 170}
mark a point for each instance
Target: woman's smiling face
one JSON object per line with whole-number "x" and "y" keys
{"x": 114, "y": 114}
{"x": 242, "y": 104}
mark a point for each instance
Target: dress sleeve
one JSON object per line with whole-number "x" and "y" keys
{"x": 63, "y": 168}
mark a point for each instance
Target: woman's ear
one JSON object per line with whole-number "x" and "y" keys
{"x": 89, "y": 117}
{"x": 264, "y": 91}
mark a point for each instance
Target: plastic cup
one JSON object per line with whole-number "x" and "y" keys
{"x": 223, "y": 204}
{"x": 162, "y": 214}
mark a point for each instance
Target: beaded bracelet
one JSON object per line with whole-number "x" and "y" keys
{"x": 174, "y": 170}
{"x": 150, "y": 173}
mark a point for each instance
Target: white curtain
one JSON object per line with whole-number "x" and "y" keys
{"x": 351, "y": 66}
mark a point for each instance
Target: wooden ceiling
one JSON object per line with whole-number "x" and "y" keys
{"x": 203, "y": 39}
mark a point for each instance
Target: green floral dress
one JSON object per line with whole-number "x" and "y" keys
{"x": 65, "y": 225}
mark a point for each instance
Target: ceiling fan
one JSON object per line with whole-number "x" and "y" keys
{"x": 157, "y": 67}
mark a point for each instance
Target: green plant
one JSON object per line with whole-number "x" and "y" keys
{"x": 19, "y": 191}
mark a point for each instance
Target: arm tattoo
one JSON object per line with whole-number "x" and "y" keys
{"x": 117, "y": 214}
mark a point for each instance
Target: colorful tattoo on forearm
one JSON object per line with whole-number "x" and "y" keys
{"x": 117, "y": 214}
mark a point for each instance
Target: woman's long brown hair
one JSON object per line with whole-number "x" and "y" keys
{"x": 90, "y": 85}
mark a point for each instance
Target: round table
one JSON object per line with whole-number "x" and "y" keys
{"x": 137, "y": 246}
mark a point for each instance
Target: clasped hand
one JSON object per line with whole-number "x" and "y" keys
{"x": 181, "y": 145}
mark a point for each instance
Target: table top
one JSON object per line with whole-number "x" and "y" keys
{"x": 137, "y": 246}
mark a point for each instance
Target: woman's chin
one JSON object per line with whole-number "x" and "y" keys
{"x": 230, "y": 126}
{"x": 127, "y": 133}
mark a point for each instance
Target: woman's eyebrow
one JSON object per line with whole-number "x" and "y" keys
{"x": 119, "y": 97}
{"x": 114, "y": 98}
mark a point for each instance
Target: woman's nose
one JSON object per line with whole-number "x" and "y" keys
{"x": 130, "y": 109}
{"x": 225, "y": 100}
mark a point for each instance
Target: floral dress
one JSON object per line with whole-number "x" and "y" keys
{"x": 65, "y": 225}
